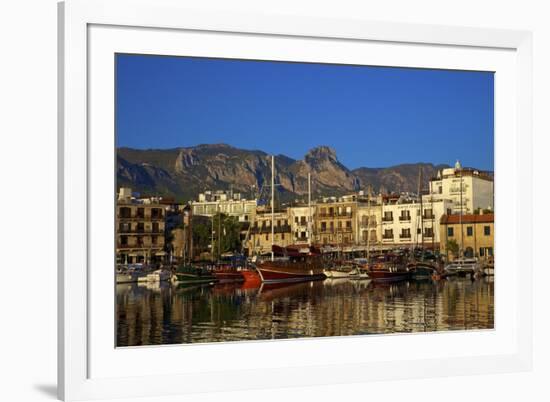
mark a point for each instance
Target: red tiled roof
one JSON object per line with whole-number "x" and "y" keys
{"x": 452, "y": 219}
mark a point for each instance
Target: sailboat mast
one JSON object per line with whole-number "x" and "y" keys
{"x": 309, "y": 209}
{"x": 272, "y": 205}
{"x": 368, "y": 224}
{"x": 421, "y": 210}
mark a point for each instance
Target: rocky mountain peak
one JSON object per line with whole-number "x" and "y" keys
{"x": 321, "y": 152}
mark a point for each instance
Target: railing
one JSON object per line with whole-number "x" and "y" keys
{"x": 267, "y": 229}
{"x": 387, "y": 237}
{"x": 428, "y": 235}
{"x": 140, "y": 232}
{"x": 432, "y": 216}
{"x": 387, "y": 219}
{"x": 405, "y": 236}
{"x": 405, "y": 218}
{"x": 139, "y": 218}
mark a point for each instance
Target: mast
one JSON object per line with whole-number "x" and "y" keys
{"x": 461, "y": 226}
{"x": 368, "y": 224}
{"x": 421, "y": 212}
{"x": 272, "y": 205}
{"x": 309, "y": 209}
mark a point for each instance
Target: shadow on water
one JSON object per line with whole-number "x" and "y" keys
{"x": 169, "y": 314}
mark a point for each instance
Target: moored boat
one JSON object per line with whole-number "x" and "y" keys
{"x": 292, "y": 264}
{"x": 192, "y": 274}
{"x": 463, "y": 266}
{"x": 388, "y": 268}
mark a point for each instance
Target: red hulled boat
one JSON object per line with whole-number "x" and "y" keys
{"x": 292, "y": 264}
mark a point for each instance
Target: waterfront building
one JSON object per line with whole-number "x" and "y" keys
{"x": 182, "y": 235}
{"x": 369, "y": 223}
{"x": 469, "y": 189}
{"x": 336, "y": 220}
{"x": 473, "y": 235}
{"x": 299, "y": 216}
{"x": 259, "y": 238}
{"x": 140, "y": 229}
{"x": 405, "y": 225}
{"x": 228, "y": 203}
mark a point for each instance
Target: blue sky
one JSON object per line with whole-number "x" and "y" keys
{"x": 371, "y": 116}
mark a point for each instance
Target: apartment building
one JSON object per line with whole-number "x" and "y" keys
{"x": 473, "y": 234}
{"x": 140, "y": 227}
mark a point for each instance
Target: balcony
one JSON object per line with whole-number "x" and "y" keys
{"x": 428, "y": 235}
{"x": 405, "y": 236}
{"x": 387, "y": 237}
{"x": 135, "y": 232}
{"x": 428, "y": 217}
{"x": 387, "y": 219}
{"x": 405, "y": 218}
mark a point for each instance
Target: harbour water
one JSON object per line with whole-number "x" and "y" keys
{"x": 155, "y": 314}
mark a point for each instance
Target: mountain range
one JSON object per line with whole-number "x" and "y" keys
{"x": 185, "y": 172}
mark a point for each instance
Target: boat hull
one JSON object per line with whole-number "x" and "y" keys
{"x": 388, "y": 276}
{"x": 273, "y": 272}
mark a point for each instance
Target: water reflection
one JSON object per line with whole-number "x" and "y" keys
{"x": 169, "y": 314}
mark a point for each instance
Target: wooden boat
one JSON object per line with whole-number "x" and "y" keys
{"x": 189, "y": 273}
{"x": 228, "y": 275}
{"x": 422, "y": 269}
{"x": 292, "y": 264}
{"x": 389, "y": 268}
{"x": 250, "y": 276}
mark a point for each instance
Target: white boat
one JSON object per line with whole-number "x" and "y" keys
{"x": 356, "y": 273}
{"x": 159, "y": 275}
{"x": 463, "y": 266}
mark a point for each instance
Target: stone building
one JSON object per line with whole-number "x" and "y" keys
{"x": 336, "y": 220}
{"x": 140, "y": 229}
{"x": 260, "y": 240}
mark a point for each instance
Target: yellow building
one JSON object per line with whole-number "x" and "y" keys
{"x": 335, "y": 221}
{"x": 260, "y": 239}
{"x": 473, "y": 234}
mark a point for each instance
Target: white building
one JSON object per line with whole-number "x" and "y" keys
{"x": 230, "y": 204}
{"x": 472, "y": 187}
{"x": 299, "y": 222}
{"x": 404, "y": 224}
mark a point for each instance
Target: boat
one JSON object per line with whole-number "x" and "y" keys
{"x": 194, "y": 274}
{"x": 489, "y": 268}
{"x": 130, "y": 273}
{"x": 389, "y": 268}
{"x": 292, "y": 264}
{"x": 339, "y": 271}
{"x": 423, "y": 269}
{"x": 228, "y": 274}
{"x": 463, "y": 266}
{"x": 250, "y": 276}
{"x": 159, "y": 275}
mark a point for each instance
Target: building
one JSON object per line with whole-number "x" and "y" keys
{"x": 259, "y": 238}
{"x": 140, "y": 229}
{"x": 473, "y": 235}
{"x": 211, "y": 203}
{"x": 405, "y": 225}
{"x": 469, "y": 189}
{"x": 298, "y": 217}
{"x": 369, "y": 222}
{"x": 182, "y": 236}
{"x": 336, "y": 220}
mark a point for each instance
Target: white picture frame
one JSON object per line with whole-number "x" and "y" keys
{"x": 80, "y": 377}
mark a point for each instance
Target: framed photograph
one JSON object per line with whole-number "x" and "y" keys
{"x": 339, "y": 201}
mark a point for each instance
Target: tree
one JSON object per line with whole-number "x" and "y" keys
{"x": 452, "y": 246}
{"x": 228, "y": 239}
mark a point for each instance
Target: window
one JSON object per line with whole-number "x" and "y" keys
{"x": 295, "y": 219}
{"x": 418, "y": 231}
{"x": 490, "y": 251}
{"x": 440, "y": 189}
{"x": 481, "y": 251}
{"x": 154, "y": 239}
{"x": 469, "y": 231}
{"x": 282, "y": 236}
{"x": 388, "y": 233}
{"x": 156, "y": 228}
{"x": 123, "y": 240}
{"x": 450, "y": 232}
{"x": 140, "y": 213}
{"x": 302, "y": 220}
{"x": 428, "y": 232}
{"x": 266, "y": 237}
{"x": 348, "y": 224}
{"x": 364, "y": 220}
{"x": 487, "y": 231}
{"x": 323, "y": 226}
